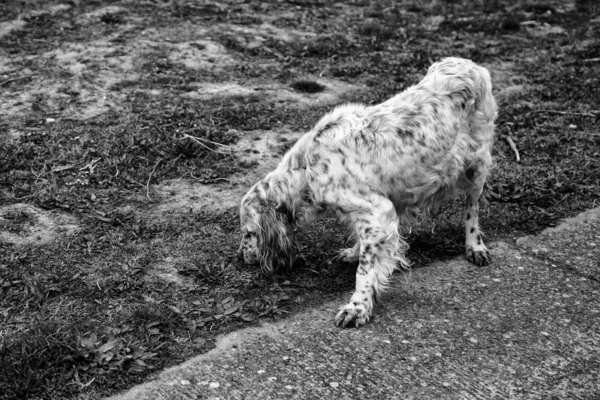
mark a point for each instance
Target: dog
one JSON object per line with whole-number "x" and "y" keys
{"x": 376, "y": 168}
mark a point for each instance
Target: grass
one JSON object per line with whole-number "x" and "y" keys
{"x": 134, "y": 291}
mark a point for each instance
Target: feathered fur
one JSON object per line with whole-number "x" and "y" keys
{"x": 375, "y": 168}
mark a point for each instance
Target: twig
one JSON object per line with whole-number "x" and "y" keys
{"x": 512, "y": 145}
{"x": 591, "y": 115}
{"x": 150, "y": 177}
{"x": 205, "y": 180}
{"x": 20, "y": 198}
{"x": 200, "y": 140}
{"x": 132, "y": 181}
{"x": 78, "y": 382}
{"x": 561, "y": 200}
{"x": 590, "y": 60}
{"x": 38, "y": 176}
{"x": 324, "y": 70}
{"x": 15, "y": 79}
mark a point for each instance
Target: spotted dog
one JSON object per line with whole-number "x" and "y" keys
{"x": 376, "y": 168}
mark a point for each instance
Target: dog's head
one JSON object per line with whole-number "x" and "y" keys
{"x": 267, "y": 233}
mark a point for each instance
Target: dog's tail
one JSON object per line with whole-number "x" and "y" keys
{"x": 484, "y": 99}
{"x": 484, "y": 113}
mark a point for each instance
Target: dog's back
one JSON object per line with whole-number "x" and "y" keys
{"x": 415, "y": 146}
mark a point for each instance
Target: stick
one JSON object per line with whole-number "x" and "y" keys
{"x": 150, "y": 177}
{"x": 591, "y": 115}
{"x": 15, "y": 79}
{"x": 206, "y": 140}
{"x": 512, "y": 145}
{"x": 200, "y": 140}
{"x": 204, "y": 180}
{"x": 132, "y": 181}
{"x": 20, "y": 198}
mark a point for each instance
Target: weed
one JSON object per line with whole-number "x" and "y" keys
{"x": 34, "y": 357}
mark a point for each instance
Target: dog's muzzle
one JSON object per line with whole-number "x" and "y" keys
{"x": 248, "y": 257}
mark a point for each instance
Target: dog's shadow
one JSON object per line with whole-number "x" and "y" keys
{"x": 316, "y": 266}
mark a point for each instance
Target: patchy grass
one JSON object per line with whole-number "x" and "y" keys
{"x": 133, "y": 290}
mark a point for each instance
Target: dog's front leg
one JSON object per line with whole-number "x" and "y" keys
{"x": 379, "y": 253}
{"x": 360, "y": 307}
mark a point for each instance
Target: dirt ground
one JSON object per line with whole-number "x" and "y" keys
{"x": 130, "y": 130}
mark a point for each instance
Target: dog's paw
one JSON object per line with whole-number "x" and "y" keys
{"x": 480, "y": 258}
{"x": 355, "y": 312}
{"x": 347, "y": 255}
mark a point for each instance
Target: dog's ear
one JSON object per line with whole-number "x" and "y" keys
{"x": 276, "y": 238}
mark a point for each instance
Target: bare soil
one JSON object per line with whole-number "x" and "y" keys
{"x": 129, "y": 132}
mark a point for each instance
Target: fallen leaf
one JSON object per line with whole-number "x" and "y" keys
{"x": 231, "y": 309}
{"x": 108, "y": 346}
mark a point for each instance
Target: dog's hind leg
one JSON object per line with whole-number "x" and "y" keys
{"x": 376, "y": 224}
{"x": 476, "y": 251}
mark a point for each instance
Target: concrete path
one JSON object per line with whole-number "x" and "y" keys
{"x": 526, "y": 327}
